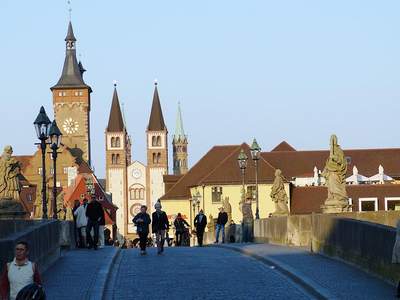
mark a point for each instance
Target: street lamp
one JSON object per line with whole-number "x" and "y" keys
{"x": 255, "y": 155}
{"x": 42, "y": 127}
{"x": 198, "y": 197}
{"x": 242, "y": 160}
{"x": 55, "y": 142}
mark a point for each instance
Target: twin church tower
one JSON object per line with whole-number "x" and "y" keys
{"x": 131, "y": 183}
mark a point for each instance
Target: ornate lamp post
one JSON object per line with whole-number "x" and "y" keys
{"x": 55, "y": 142}
{"x": 242, "y": 160}
{"x": 198, "y": 200}
{"x": 42, "y": 127}
{"x": 255, "y": 155}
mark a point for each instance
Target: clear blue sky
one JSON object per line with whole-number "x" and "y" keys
{"x": 274, "y": 70}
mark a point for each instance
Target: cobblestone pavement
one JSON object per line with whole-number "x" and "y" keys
{"x": 76, "y": 274}
{"x": 197, "y": 273}
{"x": 341, "y": 280}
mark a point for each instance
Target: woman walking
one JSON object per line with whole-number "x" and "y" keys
{"x": 160, "y": 225}
{"x": 142, "y": 222}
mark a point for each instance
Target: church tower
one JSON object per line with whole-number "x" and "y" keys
{"x": 157, "y": 151}
{"x": 118, "y": 157}
{"x": 179, "y": 143}
{"x": 71, "y": 103}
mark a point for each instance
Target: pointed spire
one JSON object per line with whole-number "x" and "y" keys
{"x": 156, "y": 121}
{"x": 70, "y": 34}
{"x": 71, "y": 75}
{"x": 115, "y": 121}
{"x": 179, "y": 131}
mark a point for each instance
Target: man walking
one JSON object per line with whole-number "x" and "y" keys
{"x": 160, "y": 225}
{"x": 81, "y": 223}
{"x": 221, "y": 221}
{"x": 180, "y": 227}
{"x": 94, "y": 213}
{"x": 18, "y": 273}
{"x": 142, "y": 222}
{"x": 200, "y": 222}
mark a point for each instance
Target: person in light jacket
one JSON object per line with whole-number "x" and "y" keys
{"x": 81, "y": 222}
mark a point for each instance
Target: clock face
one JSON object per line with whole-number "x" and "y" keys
{"x": 136, "y": 173}
{"x": 70, "y": 126}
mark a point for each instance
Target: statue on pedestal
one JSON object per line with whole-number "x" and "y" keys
{"x": 279, "y": 196}
{"x": 245, "y": 207}
{"x": 335, "y": 176}
{"x": 10, "y": 188}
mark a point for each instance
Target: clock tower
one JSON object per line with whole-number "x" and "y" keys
{"x": 71, "y": 103}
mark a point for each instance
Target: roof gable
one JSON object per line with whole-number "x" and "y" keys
{"x": 283, "y": 146}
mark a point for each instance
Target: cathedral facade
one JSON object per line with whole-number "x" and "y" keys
{"x": 133, "y": 183}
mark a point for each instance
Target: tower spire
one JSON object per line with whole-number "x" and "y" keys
{"x": 115, "y": 121}
{"x": 156, "y": 121}
{"x": 179, "y": 131}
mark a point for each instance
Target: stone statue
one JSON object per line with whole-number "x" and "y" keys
{"x": 210, "y": 224}
{"x": 279, "y": 196}
{"x": 335, "y": 177}
{"x": 245, "y": 207}
{"x": 10, "y": 188}
{"x": 227, "y": 208}
{"x": 9, "y": 171}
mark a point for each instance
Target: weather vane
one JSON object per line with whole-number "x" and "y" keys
{"x": 69, "y": 9}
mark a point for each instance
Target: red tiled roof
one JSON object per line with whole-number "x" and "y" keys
{"x": 283, "y": 146}
{"x": 24, "y": 161}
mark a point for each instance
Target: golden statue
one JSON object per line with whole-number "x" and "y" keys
{"x": 335, "y": 175}
{"x": 279, "y": 196}
{"x": 9, "y": 171}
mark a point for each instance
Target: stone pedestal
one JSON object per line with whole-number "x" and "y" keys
{"x": 11, "y": 209}
{"x": 333, "y": 207}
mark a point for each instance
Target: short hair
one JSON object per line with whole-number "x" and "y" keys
{"x": 144, "y": 206}
{"x": 26, "y": 245}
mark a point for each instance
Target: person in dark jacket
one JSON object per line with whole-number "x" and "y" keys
{"x": 221, "y": 221}
{"x": 94, "y": 213}
{"x": 160, "y": 226}
{"x": 180, "y": 225}
{"x": 200, "y": 222}
{"x": 142, "y": 222}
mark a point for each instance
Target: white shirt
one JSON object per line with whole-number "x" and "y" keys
{"x": 80, "y": 214}
{"x": 19, "y": 276}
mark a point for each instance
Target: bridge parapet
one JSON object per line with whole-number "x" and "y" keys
{"x": 366, "y": 244}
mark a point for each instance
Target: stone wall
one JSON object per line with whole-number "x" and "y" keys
{"x": 368, "y": 245}
{"x": 44, "y": 238}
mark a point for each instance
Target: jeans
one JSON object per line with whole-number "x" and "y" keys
{"x": 160, "y": 240}
{"x": 92, "y": 241}
{"x": 82, "y": 236}
{"x": 247, "y": 231}
{"x": 101, "y": 236}
{"x": 143, "y": 240}
{"x": 200, "y": 234}
{"x": 220, "y": 227}
{"x": 178, "y": 238}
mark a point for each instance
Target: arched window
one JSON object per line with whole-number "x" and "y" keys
{"x": 117, "y": 142}
{"x": 113, "y": 160}
{"x": 117, "y": 159}
{"x": 154, "y": 141}
{"x": 113, "y": 142}
{"x": 154, "y": 158}
{"x": 159, "y": 141}
{"x": 158, "y": 157}
{"x": 136, "y": 192}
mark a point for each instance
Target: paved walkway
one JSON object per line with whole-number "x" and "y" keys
{"x": 197, "y": 273}
{"x": 331, "y": 277}
{"x": 79, "y": 274}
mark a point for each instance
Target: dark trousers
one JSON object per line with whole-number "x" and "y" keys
{"x": 200, "y": 234}
{"x": 179, "y": 238}
{"x": 92, "y": 241}
{"x": 143, "y": 240}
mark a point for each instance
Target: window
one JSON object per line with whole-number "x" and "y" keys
{"x": 117, "y": 142}
{"x": 40, "y": 171}
{"x": 113, "y": 142}
{"x": 65, "y": 170}
{"x": 76, "y": 93}
{"x": 216, "y": 192}
{"x": 136, "y": 192}
{"x": 158, "y": 158}
{"x": 113, "y": 159}
{"x": 60, "y": 94}
{"x": 348, "y": 160}
{"x": 159, "y": 141}
{"x": 117, "y": 159}
{"x": 154, "y": 158}
{"x": 80, "y": 93}
{"x": 368, "y": 204}
{"x": 252, "y": 189}
{"x": 153, "y": 141}
{"x": 392, "y": 203}
{"x": 51, "y": 171}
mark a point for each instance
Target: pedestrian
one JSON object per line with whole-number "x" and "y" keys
{"x": 18, "y": 273}
{"x": 81, "y": 223}
{"x": 102, "y": 223}
{"x": 160, "y": 225}
{"x": 180, "y": 226}
{"x": 396, "y": 253}
{"x": 200, "y": 222}
{"x": 94, "y": 213}
{"x": 76, "y": 232}
{"x": 142, "y": 222}
{"x": 221, "y": 221}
